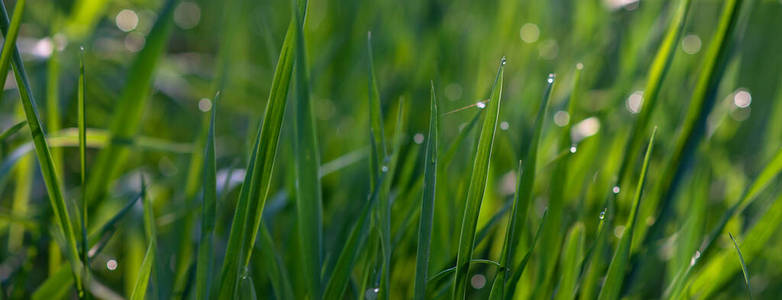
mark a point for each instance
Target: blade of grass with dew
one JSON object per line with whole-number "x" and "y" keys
{"x": 43, "y": 153}
{"x": 616, "y": 269}
{"x": 255, "y": 189}
{"x": 145, "y": 270}
{"x": 477, "y": 186}
{"x": 743, "y": 265}
{"x": 553, "y": 231}
{"x": 340, "y": 275}
{"x": 309, "y": 202}
{"x": 131, "y": 103}
{"x": 208, "y": 211}
{"x": 82, "y": 123}
{"x": 571, "y": 263}
{"x": 593, "y": 270}
{"x": 703, "y": 98}
{"x": 11, "y": 130}
{"x": 426, "y": 219}
{"x": 524, "y": 185}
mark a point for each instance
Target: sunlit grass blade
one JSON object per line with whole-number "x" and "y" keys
{"x": 46, "y": 163}
{"x": 571, "y": 263}
{"x": 340, "y": 275}
{"x": 131, "y": 103}
{"x": 255, "y": 189}
{"x": 612, "y": 284}
{"x": 743, "y": 265}
{"x": 145, "y": 270}
{"x": 518, "y": 215}
{"x": 656, "y": 75}
{"x": 423, "y": 251}
{"x": 11, "y": 130}
{"x": 309, "y": 202}
{"x": 703, "y": 98}
{"x": 208, "y": 212}
{"x": 82, "y": 123}
{"x": 477, "y": 186}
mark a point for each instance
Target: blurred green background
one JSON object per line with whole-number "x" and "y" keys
{"x": 233, "y": 45}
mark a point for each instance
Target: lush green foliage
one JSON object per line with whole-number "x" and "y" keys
{"x": 323, "y": 175}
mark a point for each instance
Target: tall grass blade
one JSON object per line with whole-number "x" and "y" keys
{"x": 426, "y": 220}
{"x": 82, "y": 123}
{"x": 571, "y": 263}
{"x": 340, "y": 275}
{"x": 255, "y": 189}
{"x": 145, "y": 270}
{"x": 208, "y": 211}
{"x": 516, "y": 275}
{"x": 743, "y": 265}
{"x": 10, "y": 32}
{"x": 526, "y": 181}
{"x": 48, "y": 170}
{"x": 703, "y": 98}
{"x": 616, "y": 269}
{"x": 309, "y": 202}
{"x": 477, "y": 186}
{"x": 131, "y": 103}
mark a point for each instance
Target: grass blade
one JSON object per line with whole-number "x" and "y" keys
{"x": 48, "y": 170}
{"x": 255, "y": 189}
{"x": 616, "y": 269}
{"x": 427, "y": 202}
{"x": 82, "y": 121}
{"x": 514, "y": 279}
{"x": 10, "y": 32}
{"x": 477, "y": 186}
{"x": 131, "y": 104}
{"x": 340, "y": 275}
{"x": 208, "y": 211}
{"x": 526, "y": 181}
{"x": 309, "y": 202}
{"x": 145, "y": 270}
{"x": 11, "y": 130}
{"x": 571, "y": 263}
{"x": 743, "y": 265}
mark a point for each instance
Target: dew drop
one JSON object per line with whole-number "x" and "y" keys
{"x": 695, "y": 258}
{"x": 550, "y": 78}
{"x": 603, "y": 214}
{"x": 615, "y": 189}
{"x": 371, "y": 294}
{"x": 573, "y": 149}
{"x": 111, "y": 264}
{"x": 503, "y": 61}
{"x": 480, "y": 104}
{"x": 384, "y": 169}
{"x": 580, "y": 66}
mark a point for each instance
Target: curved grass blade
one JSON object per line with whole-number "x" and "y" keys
{"x": 11, "y": 130}
{"x": 255, "y": 189}
{"x": 48, "y": 170}
{"x": 309, "y": 202}
{"x": 477, "y": 186}
{"x": 10, "y": 32}
{"x": 145, "y": 270}
{"x": 701, "y": 103}
{"x": 131, "y": 103}
{"x": 518, "y": 216}
{"x": 208, "y": 211}
{"x": 743, "y": 265}
{"x": 514, "y": 279}
{"x": 571, "y": 263}
{"x": 616, "y": 269}
{"x": 340, "y": 276}
{"x": 427, "y": 202}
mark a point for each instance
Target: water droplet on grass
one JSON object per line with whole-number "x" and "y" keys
{"x": 550, "y": 78}
{"x": 371, "y": 294}
{"x": 480, "y": 104}
{"x": 615, "y": 189}
{"x": 603, "y": 214}
{"x": 573, "y": 149}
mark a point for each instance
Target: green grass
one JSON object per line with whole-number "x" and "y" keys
{"x": 337, "y": 164}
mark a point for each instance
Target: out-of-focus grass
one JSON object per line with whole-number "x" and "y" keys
{"x": 348, "y": 190}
